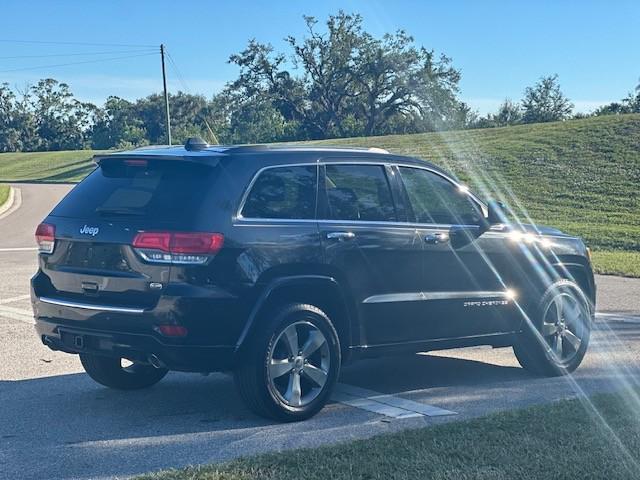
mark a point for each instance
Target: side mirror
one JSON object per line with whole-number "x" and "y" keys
{"x": 495, "y": 213}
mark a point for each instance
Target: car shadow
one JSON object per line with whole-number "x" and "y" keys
{"x": 191, "y": 403}
{"x": 423, "y": 371}
{"x": 189, "y": 418}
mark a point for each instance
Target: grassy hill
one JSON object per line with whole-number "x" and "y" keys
{"x": 581, "y": 175}
{"x": 54, "y": 167}
{"x": 4, "y": 194}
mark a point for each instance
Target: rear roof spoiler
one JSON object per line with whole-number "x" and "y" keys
{"x": 210, "y": 159}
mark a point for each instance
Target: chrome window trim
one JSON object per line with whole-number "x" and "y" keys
{"x": 89, "y": 306}
{"x": 251, "y": 220}
{"x": 427, "y": 296}
{"x": 247, "y": 190}
{"x": 458, "y": 185}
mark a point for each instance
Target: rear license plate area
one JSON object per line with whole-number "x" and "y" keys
{"x": 79, "y": 341}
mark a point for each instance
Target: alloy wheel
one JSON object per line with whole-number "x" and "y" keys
{"x": 563, "y": 326}
{"x": 298, "y": 364}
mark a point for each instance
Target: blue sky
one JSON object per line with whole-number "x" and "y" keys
{"x": 500, "y": 47}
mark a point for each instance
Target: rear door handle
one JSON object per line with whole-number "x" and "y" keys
{"x": 341, "y": 236}
{"x": 436, "y": 238}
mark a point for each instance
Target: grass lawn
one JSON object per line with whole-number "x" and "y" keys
{"x": 617, "y": 263}
{"x": 54, "y": 167}
{"x": 566, "y": 440}
{"x": 4, "y": 194}
{"x": 581, "y": 176}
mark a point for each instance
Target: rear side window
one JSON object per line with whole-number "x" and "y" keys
{"x": 162, "y": 190}
{"x": 435, "y": 199}
{"x": 359, "y": 192}
{"x": 283, "y": 193}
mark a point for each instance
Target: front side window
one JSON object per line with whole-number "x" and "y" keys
{"x": 434, "y": 199}
{"x": 283, "y": 193}
{"x": 359, "y": 192}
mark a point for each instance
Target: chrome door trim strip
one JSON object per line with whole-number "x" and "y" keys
{"x": 426, "y": 296}
{"x": 90, "y": 306}
{"x": 254, "y": 179}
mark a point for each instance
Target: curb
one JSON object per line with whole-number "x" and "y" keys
{"x": 12, "y": 204}
{"x": 10, "y": 199}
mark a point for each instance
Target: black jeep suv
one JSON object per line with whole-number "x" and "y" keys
{"x": 281, "y": 263}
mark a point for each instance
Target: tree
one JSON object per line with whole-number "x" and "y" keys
{"x": 118, "y": 125}
{"x": 545, "y": 102}
{"x": 15, "y": 120}
{"x": 61, "y": 121}
{"x": 629, "y": 104}
{"x": 187, "y": 113}
{"x": 351, "y": 83}
{"x": 509, "y": 113}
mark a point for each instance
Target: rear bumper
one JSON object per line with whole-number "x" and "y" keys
{"x": 212, "y": 317}
{"x": 70, "y": 338}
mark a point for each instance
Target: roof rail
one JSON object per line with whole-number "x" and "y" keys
{"x": 151, "y": 147}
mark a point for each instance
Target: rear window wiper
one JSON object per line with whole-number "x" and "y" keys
{"x": 119, "y": 211}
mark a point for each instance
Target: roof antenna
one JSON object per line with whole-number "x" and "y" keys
{"x": 195, "y": 144}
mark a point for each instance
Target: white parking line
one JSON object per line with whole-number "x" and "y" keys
{"x": 19, "y": 249}
{"x": 385, "y": 404}
{"x": 19, "y": 314}
{"x": 616, "y": 317}
{"x": 14, "y": 299}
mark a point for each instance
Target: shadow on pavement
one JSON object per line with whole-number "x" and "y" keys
{"x": 423, "y": 371}
{"x": 78, "y": 429}
{"x": 72, "y": 409}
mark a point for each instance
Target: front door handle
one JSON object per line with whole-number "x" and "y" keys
{"x": 341, "y": 236}
{"x": 436, "y": 238}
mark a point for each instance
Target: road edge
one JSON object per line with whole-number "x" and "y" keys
{"x": 12, "y": 204}
{"x": 8, "y": 202}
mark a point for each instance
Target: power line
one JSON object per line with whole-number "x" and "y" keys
{"x": 77, "y": 63}
{"x": 147, "y": 50}
{"x": 187, "y": 89}
{"x": 46, "y": 42}
{"x": 178, "y": 73}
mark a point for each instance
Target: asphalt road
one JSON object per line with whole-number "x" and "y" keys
{"x": 55, "y": 423}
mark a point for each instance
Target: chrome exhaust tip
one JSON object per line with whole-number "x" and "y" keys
{"x": 155, "y": 361}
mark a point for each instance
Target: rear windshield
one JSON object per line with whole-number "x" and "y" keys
{"x": 163, "y": 190}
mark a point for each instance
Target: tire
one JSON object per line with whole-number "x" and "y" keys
{"x": 274, "y": 379}
{"x": 557, "y": 332}
{"x": 108, "y": 371}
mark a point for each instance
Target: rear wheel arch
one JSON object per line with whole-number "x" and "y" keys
{"x": 323, "y": 292}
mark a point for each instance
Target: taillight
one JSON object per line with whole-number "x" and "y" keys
{"x": 178, "y": 247}
{"x": 46, "y": 237}
{"x": 172, "y": 330}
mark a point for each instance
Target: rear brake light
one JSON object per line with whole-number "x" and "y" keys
{"x": 178, "y": 247}
{"x": 136, "y": 163}
{"x": 46, "y": 237}
{"x": 172, "y": 330}
{"x": 153, "y": 240}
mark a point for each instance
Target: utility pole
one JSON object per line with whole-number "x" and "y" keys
{"x": 166, "y": 96}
